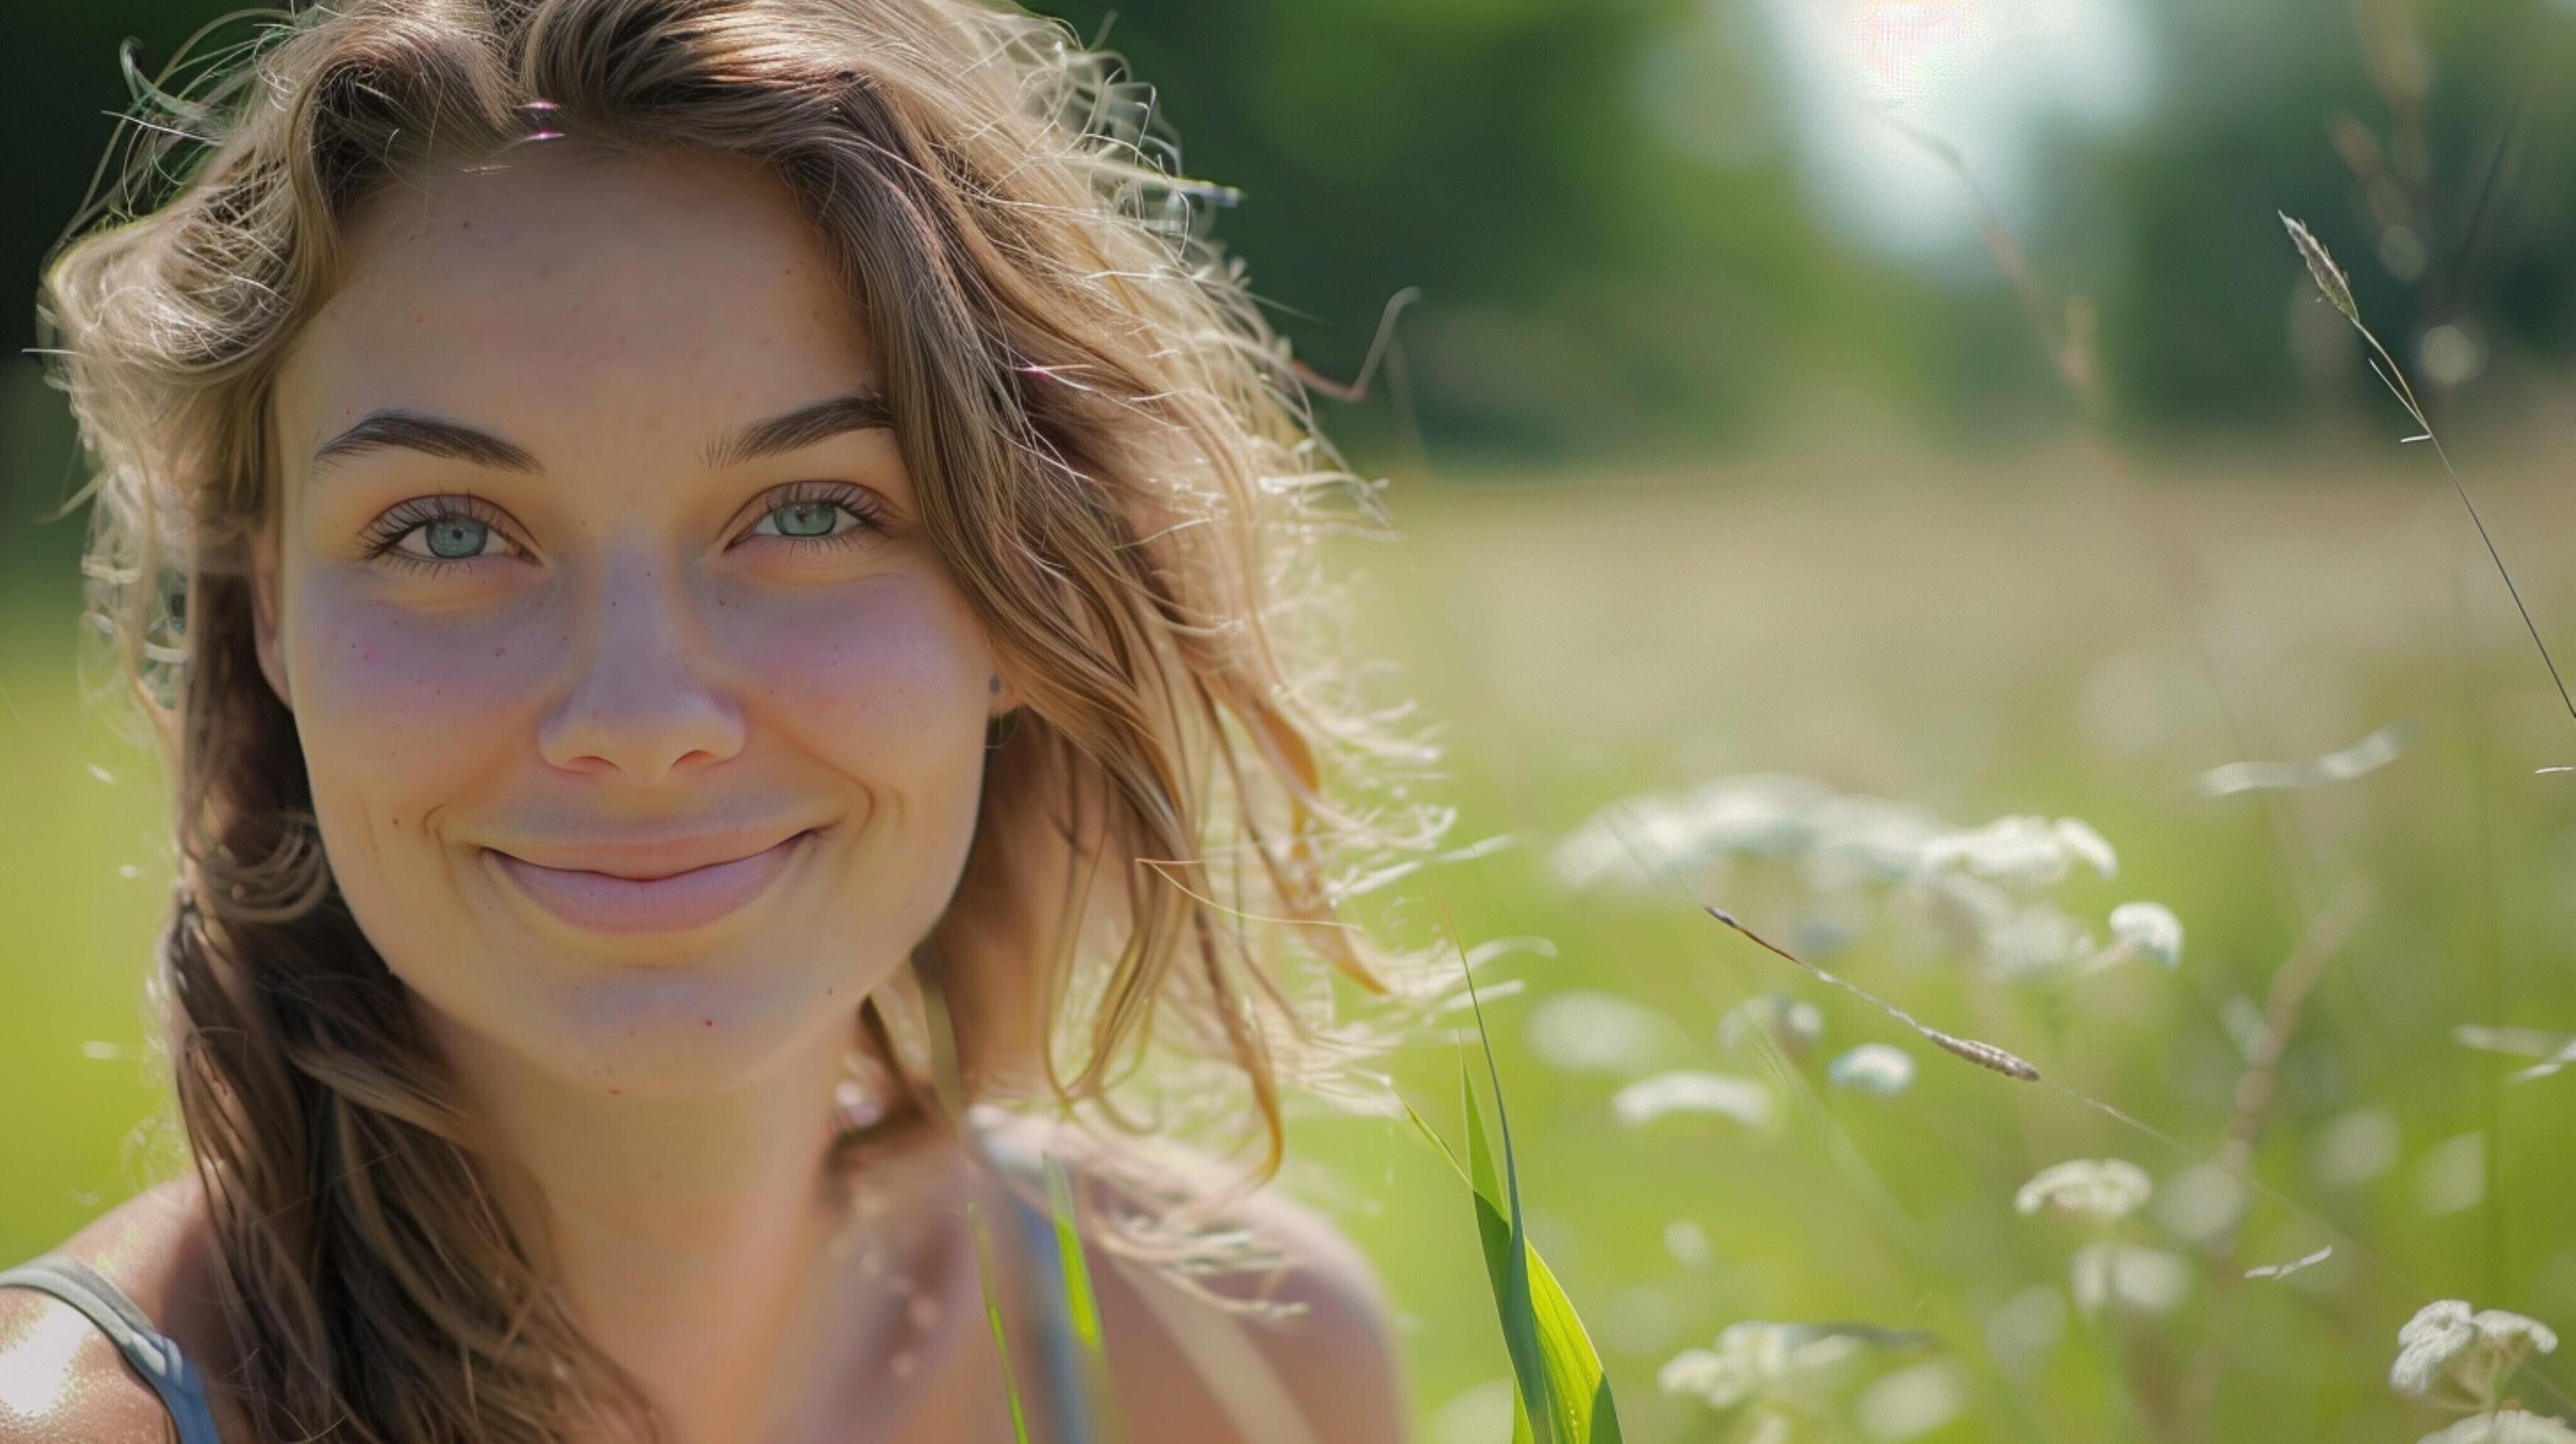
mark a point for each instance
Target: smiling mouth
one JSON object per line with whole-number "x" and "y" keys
{"x": 607, "y": 902}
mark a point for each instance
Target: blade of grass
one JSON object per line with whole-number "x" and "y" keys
{"x": 1506, "y": 1250}
{"x": 1563, "y": 1396}
{"x": 951, "y": 1087}
{"x": 1558, "y": 1326}
{"x": 1081, "y": 1304}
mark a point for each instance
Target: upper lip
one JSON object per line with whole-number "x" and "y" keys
{"x": 644, "y": 857}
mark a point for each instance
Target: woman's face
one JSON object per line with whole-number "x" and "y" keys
{"x": 645, "y": 726}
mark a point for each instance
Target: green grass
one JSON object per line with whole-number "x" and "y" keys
{"x": 76, "y": 933}
{"x": 1978, "y": 645}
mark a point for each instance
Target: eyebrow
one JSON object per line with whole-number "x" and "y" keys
{"x": 412, "y": 431}
{"x": 456, "y": 441}
{"x": 802, "y": 427}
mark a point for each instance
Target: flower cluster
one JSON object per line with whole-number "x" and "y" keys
{"x": 2449, "y": 1354}
{"x": 1768, "y": 1374}
{"x": 2108, "y": 1189}
{"x": 1986, "y": 890}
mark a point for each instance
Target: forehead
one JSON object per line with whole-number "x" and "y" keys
{"x": 568, "y": 296}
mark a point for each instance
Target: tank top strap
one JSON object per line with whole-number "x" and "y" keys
{"x": 151, "y": 1353}
{"x": 1071, "y": 1406}
{"x": 1256, "y": 1401}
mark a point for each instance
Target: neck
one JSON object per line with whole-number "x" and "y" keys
{"x": 692, "y": 1234}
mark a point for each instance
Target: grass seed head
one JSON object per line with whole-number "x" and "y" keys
{"x": 2329, "y": 277}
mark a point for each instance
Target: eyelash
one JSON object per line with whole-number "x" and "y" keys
{"x": 863, "y": 505}
{"x": 382, "y": 540}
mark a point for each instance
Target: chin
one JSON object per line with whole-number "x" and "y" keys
{"x": 672, "y": 1028}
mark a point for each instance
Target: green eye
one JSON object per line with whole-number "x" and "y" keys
{"x": 433, "y": 532}
{"x": 815, "y": 518}
{"x": 455, "y": 538}
{"x": 805, "y": 518}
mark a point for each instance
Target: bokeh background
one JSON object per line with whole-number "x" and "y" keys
{"x": 1915, "y": 408}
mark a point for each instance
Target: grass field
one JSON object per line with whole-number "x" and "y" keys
{"x": 2033, "y": 641}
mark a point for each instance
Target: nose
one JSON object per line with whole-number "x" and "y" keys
{"x": 644, "y": 701}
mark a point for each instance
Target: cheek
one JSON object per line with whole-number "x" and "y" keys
{"x": 398, "y": 708}
{"x": 888, "y": 680}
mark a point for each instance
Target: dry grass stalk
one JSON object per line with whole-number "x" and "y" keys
{"x": 2292, "y": 982}
{"x": 2329, "y": 277}
{"x": 2337, "y": 289}
{"x": 1984, "y": 1055}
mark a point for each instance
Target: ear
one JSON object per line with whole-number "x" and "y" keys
{"x": 264, "y": 614}
{"x": 1002, "y": 698}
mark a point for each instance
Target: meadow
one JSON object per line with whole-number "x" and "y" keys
{"x": 1875, "y": 643}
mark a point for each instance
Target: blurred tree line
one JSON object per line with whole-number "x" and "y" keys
{"x": 1602, "y": 207}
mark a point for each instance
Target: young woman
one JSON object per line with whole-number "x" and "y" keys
{"x": 727, "y": 584}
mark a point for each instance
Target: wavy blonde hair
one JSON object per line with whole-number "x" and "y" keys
{"x": 1111, "y": 452}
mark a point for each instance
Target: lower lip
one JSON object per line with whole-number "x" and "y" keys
{"x": 602, "y": 903}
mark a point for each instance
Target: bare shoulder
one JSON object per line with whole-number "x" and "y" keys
{"x": 63, "y": 1380}
{"x": 1294, "y": 1346}
{"x": 1334, "y": 1347}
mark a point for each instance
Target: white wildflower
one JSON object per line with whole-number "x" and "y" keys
{"x": 2027, "y": 1324}
{"x": 1873, "y": 1068}
{"x": 1634, "y": 841}
{"x": 1754, "y": 1359}
{"x": 2149, "y": 930}
{"x": 1640, "y": 1319}
{"x": 2365, "y": 756}
{"x": 1476, "y": 1414}
{"x": 1911, "y": 1401}
{"x": 1868, "y": 840}
{"x": 1592, "y": 1032}
{"x": 2451, "y": 1176}
{"x": 1714, "y": 1379}
{"x": 2504, "y": 1426}
{"x": 2356, "y": 1147}
{"x": 2131, "y": 1275}
{"x": 2084, "y": 845}
{"x": 2528, "y": 1042}
{"x": 1688, "y": 1244}
{"x": 2009, "y": 849}
{"x": 1969, "y": 906}
{"x": 1767, "y": 814}
{"x": 2106, "y": 1188}
{"x": 2034, "y": 940}
{"x": 2555, "y": 1051}
{"x": 1648, "y": 1099}
{"x": 2473, "y": 1351}
{"x": 1790, "y": 1023}
{"x": 2296, "y": 1265}
{"x": 2427, "y": 1343}
{"x": 1983, "y": 886}
{"x": 2563, "y": 1058}
{"x": 2201, "y": 1202}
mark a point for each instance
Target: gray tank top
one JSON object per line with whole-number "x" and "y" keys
{"x": 156, "y": 1357}
{"x": 151, "y": 1352}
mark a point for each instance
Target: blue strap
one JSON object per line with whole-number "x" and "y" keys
{"x": 1068, "y": 1380}
{"x": 153, "y": 1354}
